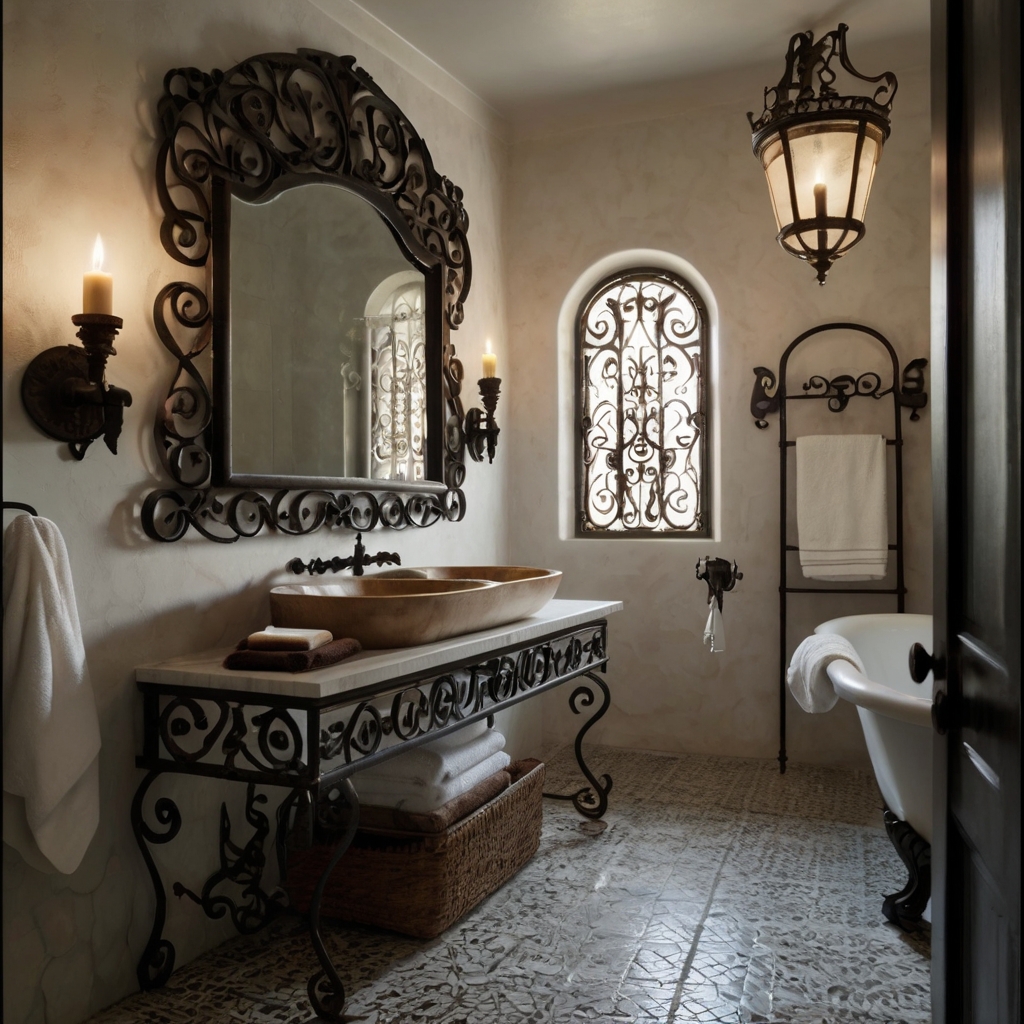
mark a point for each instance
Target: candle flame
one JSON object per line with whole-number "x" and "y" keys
{"x": 488, "y": 349}
{"x": 97, "y": 254}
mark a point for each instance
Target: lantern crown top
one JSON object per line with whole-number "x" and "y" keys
{"x": 806, "y": 87}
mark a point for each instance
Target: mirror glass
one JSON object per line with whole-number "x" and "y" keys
{"x": 327, "y": 356}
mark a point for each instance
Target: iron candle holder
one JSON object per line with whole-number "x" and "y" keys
{"x": 65, "y": 391}
{"x": 481, "y": 428}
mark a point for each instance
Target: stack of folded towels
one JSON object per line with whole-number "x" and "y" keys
{"x": 277, "y": 649}
{"x": 441, "y": 781}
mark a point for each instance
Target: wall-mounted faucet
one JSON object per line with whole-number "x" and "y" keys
{"x": 356, "y": 561}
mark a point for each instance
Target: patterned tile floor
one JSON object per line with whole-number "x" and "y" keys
{"x": 719, "y": 892}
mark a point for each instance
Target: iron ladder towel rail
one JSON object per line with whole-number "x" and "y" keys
{"x": 907, "y": 390}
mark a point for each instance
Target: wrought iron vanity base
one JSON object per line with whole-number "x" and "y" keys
{"x": 904, "y": 908}
{"x": 258, "y": 738}
{"x": 591, "y": 801}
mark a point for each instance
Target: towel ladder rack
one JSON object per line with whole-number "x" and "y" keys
{"x": 907, "y": 390}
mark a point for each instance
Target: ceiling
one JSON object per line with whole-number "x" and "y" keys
{"x": 516, "y": 52}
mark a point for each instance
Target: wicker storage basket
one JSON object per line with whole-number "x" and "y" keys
{"x": 420, "y": 884}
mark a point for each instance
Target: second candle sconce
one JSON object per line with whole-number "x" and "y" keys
{"x": 64, "y": 390}
{"x": 481, "y": 427}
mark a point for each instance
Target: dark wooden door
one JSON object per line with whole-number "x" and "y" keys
{"x": 976, "y": 337}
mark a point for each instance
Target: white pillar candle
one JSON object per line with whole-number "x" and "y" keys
{"x": 490, "y": 361}
{"x": 98, "y": 287}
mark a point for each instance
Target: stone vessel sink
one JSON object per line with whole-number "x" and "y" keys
{"x": 397, "y": 609}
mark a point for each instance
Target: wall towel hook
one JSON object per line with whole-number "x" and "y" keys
{"x": 20, "y": 506}
{"x": 719, "y": 575}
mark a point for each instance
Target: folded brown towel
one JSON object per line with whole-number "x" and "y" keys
{"x": 291, "y": 661}
{"x": 525, "y": 765}
{"x": 389, "y": 819}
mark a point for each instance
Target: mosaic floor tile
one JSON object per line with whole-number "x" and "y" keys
{"x": 719, "y": 892}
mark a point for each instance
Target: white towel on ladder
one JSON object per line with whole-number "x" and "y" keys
{"x": 841, "y": 511}
{"x": 51, "y": 729}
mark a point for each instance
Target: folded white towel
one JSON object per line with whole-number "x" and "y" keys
{"x": 808, "y": 681}
{"x": 465, "y": 735}
{"x": 51, "y": 729}
{"x": 430, "y": 766}
{"x": 841, "y": 510}
{"x": 714, "y": 631}
{"x": 409, "y": 796}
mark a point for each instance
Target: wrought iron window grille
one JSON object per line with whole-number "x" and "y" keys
{"x": 641, "y": 407}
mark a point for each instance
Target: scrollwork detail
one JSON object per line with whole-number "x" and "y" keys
{"x": 167, "y": 515}
{"x": 840, "y": 389}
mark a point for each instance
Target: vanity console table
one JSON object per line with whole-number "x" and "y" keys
{"x": 310, "y": 733}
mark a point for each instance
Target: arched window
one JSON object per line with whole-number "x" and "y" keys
{"x": 641, "y": 372}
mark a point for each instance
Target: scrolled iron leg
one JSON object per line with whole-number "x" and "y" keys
{"x": 590, "y": 801}
{"x": 325, "y": 989}
{"x": 157, "y": 961}
{"x": 904, "y": 908}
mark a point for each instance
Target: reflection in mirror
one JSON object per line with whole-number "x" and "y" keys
{"x": 398, "y": 396}
{"x": 327, "y": 359}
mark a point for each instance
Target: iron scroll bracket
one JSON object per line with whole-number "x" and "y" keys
{"x": 719, "y": 575}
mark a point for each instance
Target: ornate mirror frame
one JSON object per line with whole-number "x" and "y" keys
{"x": 273, "y": 121}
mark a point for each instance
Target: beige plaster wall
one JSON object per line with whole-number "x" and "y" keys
{"x": 81, "y": 81}
{"x": 670, "y": 168}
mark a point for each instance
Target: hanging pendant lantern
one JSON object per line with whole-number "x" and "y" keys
{"x": 819, "y": 149}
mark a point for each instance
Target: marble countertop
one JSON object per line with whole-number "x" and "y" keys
{"x": 370, "y": 668}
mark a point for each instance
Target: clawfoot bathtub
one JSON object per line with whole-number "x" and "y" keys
{"x": 895, "y": 714}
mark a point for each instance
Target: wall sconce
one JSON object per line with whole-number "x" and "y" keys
{"x": 819, "y": 150}
{"x": 64, "y": 389}
{"x": 481, "y": 429}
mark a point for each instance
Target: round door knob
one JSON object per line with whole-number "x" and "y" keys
{"x": 921, "y": 663}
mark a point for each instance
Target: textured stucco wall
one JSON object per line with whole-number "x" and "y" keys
{"x": 81, "y": 81}
{"x": 671, "y": 169}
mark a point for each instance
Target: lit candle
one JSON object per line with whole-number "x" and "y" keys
{"x": 98, "y": 287}
{"x": 490, "y": 361}
{"x": 820, "y": 200}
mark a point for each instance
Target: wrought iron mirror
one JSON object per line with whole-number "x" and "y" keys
{"x": 337, "y": 263}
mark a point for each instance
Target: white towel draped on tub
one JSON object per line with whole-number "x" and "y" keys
{"x": 51, "y": 729}
{"x": 841, "y": 508}
{"x": 807, "y": 676}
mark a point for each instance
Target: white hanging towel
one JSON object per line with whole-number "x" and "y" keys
{"x": 714, "y": 631}
{"x": 841, "y": 511}
{"x": 51, "y": 729}
{"x": 807, "y": 676}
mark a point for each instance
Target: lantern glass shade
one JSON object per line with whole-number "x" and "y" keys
{"x": 826, "y": 173}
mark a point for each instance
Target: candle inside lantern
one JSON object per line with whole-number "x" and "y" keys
{"x": 820, "y": 199}
{"x": 490, "y": 361}
{"x": 98, "y": 287}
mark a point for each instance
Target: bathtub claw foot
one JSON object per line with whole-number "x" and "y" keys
{"x": 904, "y": 908}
